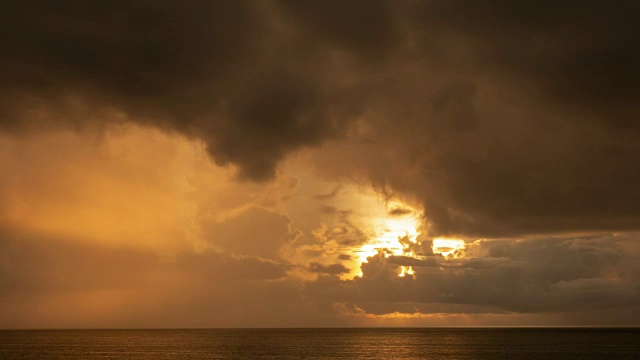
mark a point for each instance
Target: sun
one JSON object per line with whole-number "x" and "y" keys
{"x": 394, "y": 234}
{"x": 388, "y": 236}
{"x": 447, "y": 247}
{"x": 394, "y": 229}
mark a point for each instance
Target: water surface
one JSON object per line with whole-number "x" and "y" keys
{"x": 423, "y": 343}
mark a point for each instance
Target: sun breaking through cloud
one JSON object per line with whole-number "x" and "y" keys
{"x": 319, "y": 163}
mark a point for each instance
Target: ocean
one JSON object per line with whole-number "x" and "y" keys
{"x": 366, "y": 343}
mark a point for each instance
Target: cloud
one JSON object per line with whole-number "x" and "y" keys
{"x": 330, "y": 195}
{"x": 83, "y": 284}
{"x": 328, "y": 210}
{"x": 109, "y": 188}
{"x": 364, "y": 28}
{"x": 213, "y": 71}
{"x": 411, "y": 261}
{"x": 539, "y": 275}
{"x": 77, "y": 283}
{"x": 333, "y": 269}
{"x": 565, "y": 165}
{"x": 503, "y": 119}
{"x": 399, "y": 212}
{"x": 254, "y": 231}
{"x": 232, "y": 266}
{"x": 576, "y": 53}
{"x": 511, "y": 122}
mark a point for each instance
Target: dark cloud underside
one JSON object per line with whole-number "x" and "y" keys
{"x": 214, "y": 70}
{"x": 503, "y": 118}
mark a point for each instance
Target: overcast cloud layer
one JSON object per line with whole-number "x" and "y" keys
{"x": 515, "y": 122}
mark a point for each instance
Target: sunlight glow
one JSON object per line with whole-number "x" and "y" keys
{"x": 406, "y": 270}
{"x": 394, "y": 235}
{"x": 447, "y": 247}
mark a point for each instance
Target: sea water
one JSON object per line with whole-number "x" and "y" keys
{"x": 370, "y": 343}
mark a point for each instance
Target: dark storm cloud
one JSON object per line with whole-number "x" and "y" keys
{"x": 565, "y": 156}
{"x": 504, "y": 118}
{"x": 215, "y": 70}
{"x": 364, "y": 27}
{"x": 511, "y": 117}
{"x": 582, "y": 52}
{"x": 143, "y": 56}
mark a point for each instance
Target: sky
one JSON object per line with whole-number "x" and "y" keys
{"x": 189, "y": 164}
